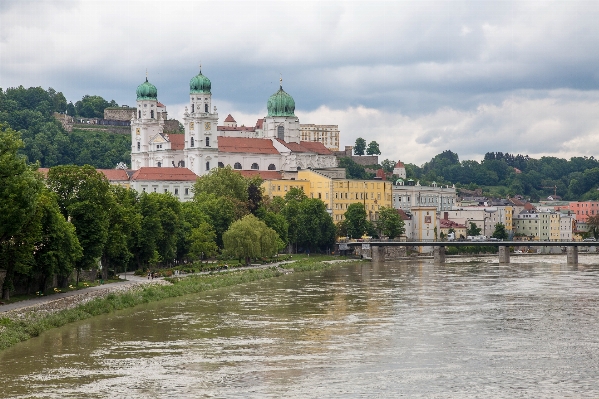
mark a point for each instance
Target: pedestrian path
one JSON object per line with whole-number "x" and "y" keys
{"x": 130, "y": 280}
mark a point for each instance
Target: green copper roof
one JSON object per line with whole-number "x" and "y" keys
{"x": 280, "y": 104}
{"x": 200, "y": 84}
{"x": 146, "y": 91}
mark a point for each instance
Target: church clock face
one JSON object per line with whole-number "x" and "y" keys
{"x": 206, "y": 125}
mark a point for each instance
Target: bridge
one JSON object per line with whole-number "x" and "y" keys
{"x": 377, "y": 248}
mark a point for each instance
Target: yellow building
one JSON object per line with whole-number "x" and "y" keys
{"x": 335, "y": 191}
{"x": 554, "y": 227}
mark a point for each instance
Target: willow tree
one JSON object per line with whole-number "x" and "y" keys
{"x": 250, "y": 238}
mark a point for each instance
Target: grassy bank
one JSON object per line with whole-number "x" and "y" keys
{"x": 28, "y": 324}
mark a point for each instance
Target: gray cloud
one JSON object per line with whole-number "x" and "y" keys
{"x": 420, "y": 77}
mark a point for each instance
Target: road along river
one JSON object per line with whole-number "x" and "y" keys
{"x": 466, "y": 329}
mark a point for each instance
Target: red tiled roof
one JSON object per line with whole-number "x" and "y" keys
{"x": 245, "y": 144}
{"x": 403, "y": 215}
{"x": 229, "y": 118}
{"x": 381, "y": 174}
{"x": 177, "y": 141}
{"x": 317, "y": 147}
{"x": 165, "y": 174}
{"x": 450, "y": 223}
{"x": 264, "y": 174}
{"x": 159, "y": 104}
{"x": 44, "y": 171}
{"x": 114, "y": 174}
{"x": 399, "y": 164}
{"x": 528, "y": 206}
{"x": 259, "y": 123}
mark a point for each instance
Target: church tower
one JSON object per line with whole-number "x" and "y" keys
{"x": 200, "y": 122}
{"x": 146, "y": 124}
{"x": 281, "y": 122}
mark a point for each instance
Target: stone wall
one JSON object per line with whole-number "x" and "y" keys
{"x": 65, "y": 120}
{"x": 171, "y": 126}
{"x": 119, "y": 114}
{"x": 360, "y": 160}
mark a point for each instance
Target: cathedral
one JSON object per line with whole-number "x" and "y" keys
{"x": 273, "y": 144}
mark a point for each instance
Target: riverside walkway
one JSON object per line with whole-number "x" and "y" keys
{"x": 377, "y": 248}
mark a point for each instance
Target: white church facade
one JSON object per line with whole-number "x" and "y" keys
{"x": 273, "y": 144}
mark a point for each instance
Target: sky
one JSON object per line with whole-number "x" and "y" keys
{"x": 417, "y": 77}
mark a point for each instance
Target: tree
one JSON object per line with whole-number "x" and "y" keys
{"x": 221, "y": 212}
{"x": 473, "y": 230}
{"x": 593, "y": 223}
{"x": 388, "y": 165}
{"x": 359, "y": 146}
{"x": 316, "y": 226}
{"x": 223, "y": 182}
{"x": 250, "y": 238}
{"x": 84, "y": 199}
{"x": 203, "y": 241}
{"x": 20, "y": 225}
{"x": 389, "y": 224}
{"x": 373, "y": 148}
{"x": 500, "y": 232}
{"x": 355, "y": 220}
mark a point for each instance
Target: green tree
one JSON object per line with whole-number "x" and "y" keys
{"x": 356, "y": 221}
{"x": 359, "y": 146}
{"x": 373, "y": 148}
{"x": 250, "y": 238}
{"x": 203, "y": 241}
{"x": 500, "y": 232}
{"x": 20, "y": 224}
{"x": 593, "y": 223}
{"x": 221, "y": 212}
{"x": 389, "y": 224}
{"x": 84, "y": 199}
{"x": 316, "y": 226}
{"x": 473, "y": 230}
{"x": 93, "y": 106}
{"x": 223, "y": 182}
{"x": 57, "y": 250}
{"x": 388, "y": 165}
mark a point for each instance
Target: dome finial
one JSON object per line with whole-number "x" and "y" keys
{"x": 200, "y": 66}
{"x": 281, "y": 81}
{"x": 146, "y": 74}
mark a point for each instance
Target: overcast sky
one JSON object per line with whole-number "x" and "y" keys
{"x": 418, "y": 77}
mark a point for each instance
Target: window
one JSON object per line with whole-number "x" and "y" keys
{"x": 138, "y": 146}
{"x": 176, "y": 191}
{"x": 152, "y": 114}
{"x": 165, "y": 190}
{"x": 272, "y": 167}
{"x": 237, "y": 165}
{"x": 281, "y": 132}
{"x": 207, "y": 141}
{"x": 254, "y": 166}
{"x": 159, "y": 164}
{"x": 205, "y": 107}
{"x": 192, "y": 108}
{"x": 139, "y": 113}
{"x": 192, "y": 142}
{"x": 221, "y": 165}
{"x": 186, "y": 191}
{"x": 208, "y": 165}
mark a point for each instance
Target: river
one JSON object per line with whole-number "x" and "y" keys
{"x": 469, "y": 329}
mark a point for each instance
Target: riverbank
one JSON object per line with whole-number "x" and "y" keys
{"x": 31, "y": 320}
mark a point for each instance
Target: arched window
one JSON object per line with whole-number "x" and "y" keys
{"x": 237, "y": 165}
{"x": 221, "y": 165}
{"x": 208, "y": 165}
{"x": 206, "y": 108}
{"x": 152, "y": 114}
{"x": 139, "y": 113}
{"x": 192, "y": 142}
{"x": 192, "y": 108}
{"x": 138, "y": 146}
{"x": 281, "y": 132}
{"x": 159, "y": 164}
{"x": 207, "y": 141}
{"x": 272, "y": 167}
{"x": 254, "y": 165}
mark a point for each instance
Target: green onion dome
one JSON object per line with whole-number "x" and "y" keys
{"x": 200, "y": 84}
{"x": 281, "y": 104}
{"x": 146, "y": 91}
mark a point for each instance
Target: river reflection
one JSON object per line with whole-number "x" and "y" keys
{"x": 411, "y": 329}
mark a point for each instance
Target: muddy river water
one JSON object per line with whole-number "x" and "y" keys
{"x": 470, "y": 329}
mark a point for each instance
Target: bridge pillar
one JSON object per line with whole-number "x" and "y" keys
{"x": 572, "y": 256}
{"x": 504, "y": 254}
{"x": 439, "y": 255}
{"x": 377, "y": 253}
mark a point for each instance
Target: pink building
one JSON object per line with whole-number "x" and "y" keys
{"x": 582, "y": 210}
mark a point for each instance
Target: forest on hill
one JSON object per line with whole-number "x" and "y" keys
{"x": 30, "y": 112}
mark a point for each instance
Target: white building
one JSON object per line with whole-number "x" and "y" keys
{"x": 274, "y": 143}
{"x": 407, "y": 195}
